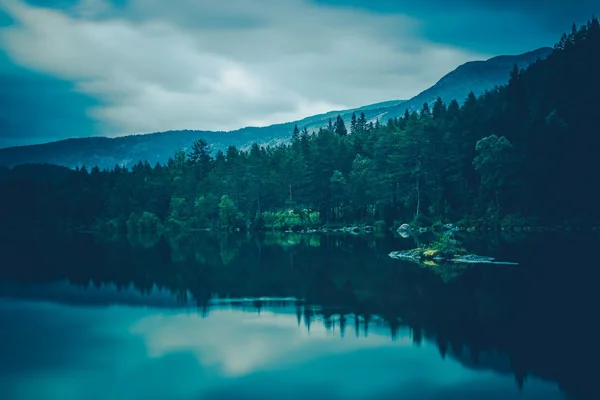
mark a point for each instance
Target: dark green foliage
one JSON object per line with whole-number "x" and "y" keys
{"x": 228, "y": 216}
{"x": 340, "y": 127}
{"x": 527, "y": 149}
{"x": 447, "y": 246}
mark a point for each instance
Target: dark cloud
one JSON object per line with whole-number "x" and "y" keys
{"x": 158, "y": 66}
{"x": 133, "y": 66}
{"x": 555, "y": 11}
{"x": 38, "y": 108}
{"x": 66, "y": 4}
{"x": 491, "y": 26}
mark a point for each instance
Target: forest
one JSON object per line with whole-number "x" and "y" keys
{"x": 524, "y": 154}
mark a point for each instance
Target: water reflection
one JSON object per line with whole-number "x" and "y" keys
{"x": 133, "y": 353}
{"x": 500, "y": 328}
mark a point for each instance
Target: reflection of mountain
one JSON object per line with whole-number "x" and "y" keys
{"x": 516, "y": 320}
{"x": 95, "y": 295}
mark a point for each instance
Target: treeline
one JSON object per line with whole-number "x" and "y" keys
{"x": 522, "y": 153}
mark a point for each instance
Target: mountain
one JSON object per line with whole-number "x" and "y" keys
{"x": 476, "y": 76}
{"x": 159, "y": 146}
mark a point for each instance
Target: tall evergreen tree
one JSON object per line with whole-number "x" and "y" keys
{"x": 340, "y": 127}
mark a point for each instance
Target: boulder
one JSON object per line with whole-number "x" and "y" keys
{"x": 405, "y": 228}
{"x": 448, "y": 227}
{"x": 409, "y": 255}
{"x": 473, "y": 259}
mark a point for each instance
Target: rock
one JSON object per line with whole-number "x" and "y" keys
{"x": 405, "y": 228}
{"x": 472, "y": 258}
{"x": 449, "y": 228}
{"x": 409, "y": 255}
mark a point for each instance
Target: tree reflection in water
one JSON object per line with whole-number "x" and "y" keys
{"x": 521, "y": 320}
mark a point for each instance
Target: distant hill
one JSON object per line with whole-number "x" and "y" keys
{"x": 158, "y": 147}
{"x": 476, "y": 76}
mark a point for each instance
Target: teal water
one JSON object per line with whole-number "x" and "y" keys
{"x": 221, "y": 317}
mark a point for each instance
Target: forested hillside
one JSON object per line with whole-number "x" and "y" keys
{"x": 476, "y": 76}
{"x": 524, "y": 152}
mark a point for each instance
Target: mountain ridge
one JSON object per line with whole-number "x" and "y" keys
{"x": 497, "y": 74}
{"x": 475, "y": 76}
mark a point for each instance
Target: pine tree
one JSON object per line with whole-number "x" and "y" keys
{"x": 340, "y": 127}
{"x": 296, "y": 134}
{"x": 425, "y": 111}
{"x": 439, "y": 109}
{"x": 361, "y": 123}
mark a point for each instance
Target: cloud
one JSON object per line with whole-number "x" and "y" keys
{"x": 500, "y": 27}
{"x": 271, "y": 340}
{"x": 36, "y": 107}
{"x": 139, "y": 352}
{"x": 155, "y": 65}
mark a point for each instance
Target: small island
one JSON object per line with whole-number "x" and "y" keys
{"x": 446, "y": 250}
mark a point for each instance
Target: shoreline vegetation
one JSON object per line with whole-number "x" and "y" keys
{"x": 521, "y": 157}
{"x": 289, "y": 222}
{"x": 446, "y": 249}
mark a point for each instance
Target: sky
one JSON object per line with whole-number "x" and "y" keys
{"x": 76, "y": 68}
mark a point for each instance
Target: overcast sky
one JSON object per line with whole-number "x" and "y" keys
{"x": 73, "y": 68}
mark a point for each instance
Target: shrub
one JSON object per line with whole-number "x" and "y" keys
{"x": 516, "y": 221}
{"x": 111, "y": 227}
{"x": 422, "y": 220}
{"x": 133, "y": 223}
{"x": 289, "y": 220}
{"x": 446, "y": 246}
{"x": 379, "y": 226}
{"x": 149, "y": 223}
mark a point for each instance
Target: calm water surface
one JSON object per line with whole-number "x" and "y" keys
{"x": 290, "y": 316}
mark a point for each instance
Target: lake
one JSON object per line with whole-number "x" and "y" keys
{"x": 285, "y": 316}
